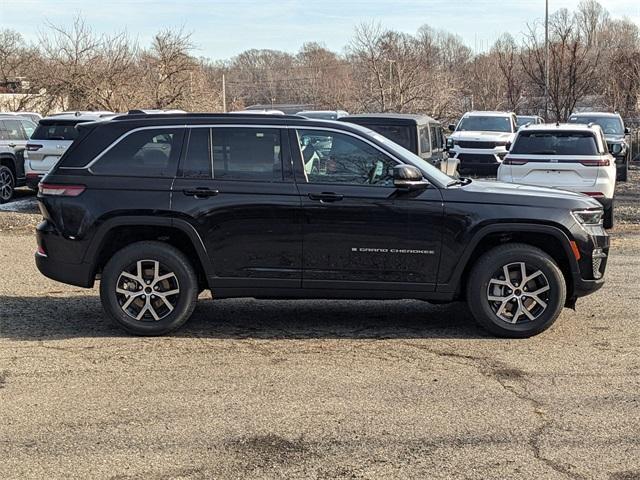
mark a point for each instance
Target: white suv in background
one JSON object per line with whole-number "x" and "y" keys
{"x": 50, "y": 140}
{"x": 481, "y": 140}
{"x": 566, "y": 156}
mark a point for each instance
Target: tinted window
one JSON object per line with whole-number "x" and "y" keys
{"x": 151, "y": 153}
{"x": 556, "y": 143}
{"x": 247, "y": 154}
{"x": 29, "y": 127}
{"x": 13, "y": 130}
{"x": 63, "y": 130}
{"x": 485, "y": 124}
{"x": 609, "y": 125}
{"x": 197, "y": 159}
{"x": 423, "y": 135}
{"x": 331, "y": 157}
{"x": 397, "y": 134}
{"x": 436, "y": 137}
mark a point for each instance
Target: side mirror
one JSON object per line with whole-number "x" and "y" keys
{"x": 627, "y": 131}
{"x": 452, "y": 127}
{"x": 408, "y": 177}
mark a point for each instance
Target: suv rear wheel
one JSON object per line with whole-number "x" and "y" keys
{"x": 516, "y": 291}
{"x": 149, "y": 288}
{"x": 7, "y": 184}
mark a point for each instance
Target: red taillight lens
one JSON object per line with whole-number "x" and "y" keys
{"x": 60, "y": 190}
{"x": 595, "y": 163}
{"x": 593, "y": 194}
{"x": 32, "y": 147}
{"x": 514, "y": 161}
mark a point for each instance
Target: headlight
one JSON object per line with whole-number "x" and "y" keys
{"x": 616, "y": 148}
{"x": 590, "y": 218}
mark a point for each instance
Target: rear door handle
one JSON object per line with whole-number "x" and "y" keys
{"x": 201, "y": 192}
{"x": 326, "y": 197}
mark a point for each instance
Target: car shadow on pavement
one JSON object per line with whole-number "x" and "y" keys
{"x": 45, "y": 318}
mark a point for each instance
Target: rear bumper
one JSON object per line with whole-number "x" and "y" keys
{"x": 80, "y": 275}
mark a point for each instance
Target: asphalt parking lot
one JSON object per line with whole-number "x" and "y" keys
{"x": 313, "y": 389}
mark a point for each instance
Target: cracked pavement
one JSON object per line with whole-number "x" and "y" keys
{"x": 316, "y": 389}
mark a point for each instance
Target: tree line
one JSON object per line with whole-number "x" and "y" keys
{"x": 594, "y": 62}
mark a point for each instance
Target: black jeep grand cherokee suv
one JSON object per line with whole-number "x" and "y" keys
{"x": 163, "y": 206}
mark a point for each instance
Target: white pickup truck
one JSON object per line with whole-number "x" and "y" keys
{"x": 481, "y": 140}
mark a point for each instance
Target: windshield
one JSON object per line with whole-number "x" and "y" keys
{"x": 523, "y": 120}
{"x": 555, "y": 143}
{"x": 413, "y": 159}
{"x": 485, "y": 124}
{"x": 57, "y": 130}
{"x": 609, "y": 125}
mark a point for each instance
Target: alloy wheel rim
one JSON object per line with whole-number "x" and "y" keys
{"x": 6, "y": 185}
{"x": 147, "y": 290}
{"x": 518, "y": 292}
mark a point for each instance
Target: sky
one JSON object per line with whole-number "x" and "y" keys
{"x": 223, "y": 28}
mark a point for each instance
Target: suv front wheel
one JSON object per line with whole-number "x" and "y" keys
{"x": 149, "y": 288}
{"x": 516, "y": 291}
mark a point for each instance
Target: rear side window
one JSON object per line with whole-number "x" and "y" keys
{"x": 246, "y": 154}
{"x": 145, "y": 153}
{"x": 13, "y": 130}
{"x": 397, "y": 134}
{"x": 555, "y": 143}
{"x": 63, "y": 130}
{"x": 28, "y": 126}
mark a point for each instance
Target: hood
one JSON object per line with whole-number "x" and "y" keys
{"x": 515, "y": 194}
{"x": 614, "y": 137}
{"x": 482, "y": 136}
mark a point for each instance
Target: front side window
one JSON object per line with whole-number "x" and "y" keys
{"x": 331, "y": 157}
{"x": 150, "y": 153}
{"x": 555, "y": 143}
{"x": 485, "y": 124}
{"x": 28, "y": 126}
{"x": 249, "y": 154}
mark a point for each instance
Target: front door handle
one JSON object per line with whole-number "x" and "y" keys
{"x": 326, "y": 197}
{"x": 201, "y": 192}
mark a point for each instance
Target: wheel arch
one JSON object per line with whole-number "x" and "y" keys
{"x": 550, "y": 239}
{"x": 8, "y": 160}
{"x": 115, "y": 234}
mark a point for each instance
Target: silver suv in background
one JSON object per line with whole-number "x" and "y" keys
{"x": 616, "y": 134}
{"x": 50, "y": 140}
{"x": 14, "y": 133}
{"x": 522, "y": 120}
{"x": 481, "y": 140}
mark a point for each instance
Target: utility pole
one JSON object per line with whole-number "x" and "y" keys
{"x": 224, "y": 95}
{"x": 546, "y": 61}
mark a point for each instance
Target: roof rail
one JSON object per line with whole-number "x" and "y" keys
{"x": 139, "y": 114}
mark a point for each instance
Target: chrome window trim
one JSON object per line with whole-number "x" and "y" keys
{"x": 242, "y": 125}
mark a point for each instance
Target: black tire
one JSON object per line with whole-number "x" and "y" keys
{"x": 490, "y": 264}
{"x": 7, "y": 184}
{"x": 169, "y": 259}
{"x": 608, "y": 217}
{"x": 622, "y": 174}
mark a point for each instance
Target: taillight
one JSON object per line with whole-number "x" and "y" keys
{"x": 593, "y": 194}
{"x": 32, "y": 147}
{"x": 514, "y": 161}
{"x": 60, "y": 190}
{"x": 595, "y": 163}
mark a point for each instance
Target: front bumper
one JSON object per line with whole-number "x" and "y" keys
{"x": 589, "y": 270}
{"x": 478, "y": 159}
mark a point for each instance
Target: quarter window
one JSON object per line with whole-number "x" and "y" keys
{"x": 424, "y": 139}
{"x": 146, "y": 153}
{"x": 331, "y": 157}
{"x": 251, "y": 154}
{"x": 29, "y": 127}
